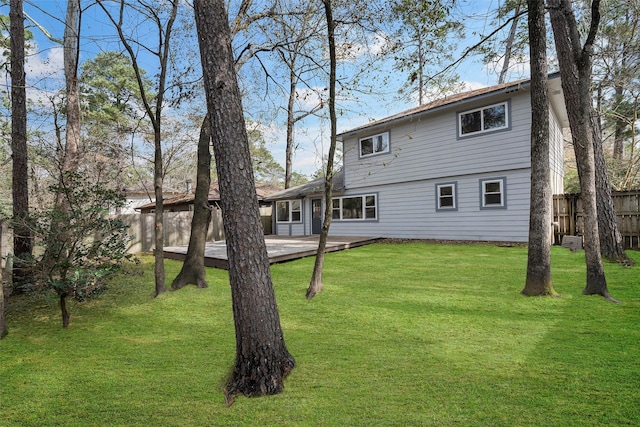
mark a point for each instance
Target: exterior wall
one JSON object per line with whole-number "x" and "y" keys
{"x": 294, "y": 228}
{"x": 426, "y": 152}
{"x": 430, "y": 148}
{"x": 556, "y": 154}
{"x": 408, "y": 210}
{"x": 291, "y": 229}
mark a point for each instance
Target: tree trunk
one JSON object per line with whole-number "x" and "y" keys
{"x": 315, "y": 285}
{"x": 288, "y": 170}
{"x": 509, "y": 44}
{"x": 71, "y": 47}
{"x": 620, "y": 125}
{"x": 538, "y": 280}
{"x": 22, "y": 243}
{"x": 154, "y": 112}
{"x": 262, "y": 359}
{"x": 611, "y": 243}
{"x": 66, "y": 316}
{"x": 158, "y": 220}
{"x": 193, "y": 267}
{"x": 575, "y": 70}
{"x": 3, "y": 319}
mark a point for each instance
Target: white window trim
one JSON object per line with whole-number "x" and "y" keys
{"x": 375, "y": 153}
{"x": 289, "y": 220}
{"x": 503, "y": 193}
{"x": 454, "y": 186}
{"x": 364, "y": 207}
{"x": 507, "y": 120}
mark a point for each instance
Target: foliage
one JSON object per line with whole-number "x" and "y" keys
{"x": 423, "y": 42}
{"x": 513, "y": 48}
{"x": 571, "y": 181}
{"x": 80, "y": 245}
{"x": 265, "y": 167}
{"x": 399, "y": 342}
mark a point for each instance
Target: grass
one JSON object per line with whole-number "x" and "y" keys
{"x": 403, "y": 334}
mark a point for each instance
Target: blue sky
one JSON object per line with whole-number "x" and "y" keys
{"x": 44, "y": 70}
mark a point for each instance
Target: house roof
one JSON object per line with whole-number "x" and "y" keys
{"x": 312, "y": 187}
{"x": 262, "y": 190}
{"x": 555, "y": 94}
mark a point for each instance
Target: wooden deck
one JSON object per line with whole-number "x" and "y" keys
{"x": 279, "y": 248}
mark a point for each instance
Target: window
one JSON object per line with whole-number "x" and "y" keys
{"x": 493, "y": 193}
{"x": 374, "y": 144}
{"x": 355, "y": 208}
{"x": 446, "y": 199}
{"x": 289, "y": 211}
{"x": 485, "y": 119}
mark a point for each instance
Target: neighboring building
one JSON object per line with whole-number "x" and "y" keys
{"x": 455, "y": 169}
{"x": 184, "y": 201}
{"x": 138, "y": 194}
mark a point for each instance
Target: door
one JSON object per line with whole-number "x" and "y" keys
{"x": 316, "y": 216}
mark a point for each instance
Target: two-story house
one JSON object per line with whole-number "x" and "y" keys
{"x": 455, "y": 169}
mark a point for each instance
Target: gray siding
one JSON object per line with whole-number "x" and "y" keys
{"x": 408, "y": 210}
{"x": 427, "y": 152}
{"x": 289, "y": 229}
{"x": 430, "y": 148}
{"x": 556, "y": 154}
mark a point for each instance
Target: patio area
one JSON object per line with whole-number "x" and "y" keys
{"x": 279, "y": 248}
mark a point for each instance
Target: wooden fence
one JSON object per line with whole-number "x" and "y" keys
{"x": 567, "y": 213}
{"x": 177, "y": 228}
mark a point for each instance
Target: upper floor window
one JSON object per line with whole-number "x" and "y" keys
{"x": 358, "y": 207}
{"x": 485, "y": 119}
{"x": 375, "y": 144}
{"x": 446, "y": 197}
{"x": 289, "y": 211}
{"x": 493, "y": 193}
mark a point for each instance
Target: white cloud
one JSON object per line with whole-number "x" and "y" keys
{"x": 45, "y": 64}
{"x": 310, "y": 98}
{"x": 352, "y": 50}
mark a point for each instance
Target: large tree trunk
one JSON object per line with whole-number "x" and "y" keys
{"x": 262, "y": 359}
{"x": 193, "y": 267}
{"x": 538, "y": 280}
{"x": 315, "y": 285}
{"x": 22, "y": 243}
{"x": 575, "y": 70}
{"x": 611, "y": 243}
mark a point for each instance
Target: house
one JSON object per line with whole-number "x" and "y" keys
{"x": 138, "y": 194}
{"x": 456, "y": 169}
{"x": 184, "y": 201}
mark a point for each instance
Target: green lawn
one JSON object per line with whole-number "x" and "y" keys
{"x": 403, "y": 334}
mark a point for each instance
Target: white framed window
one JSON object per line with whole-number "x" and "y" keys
{"x": 493, "y": 193}
{"x": 375, "y": 144}
{"x": 289, "y": 211}
{"x": 485, "y": 119}
{"x": 355, "y": 208}
{"x": 446, "y": 196}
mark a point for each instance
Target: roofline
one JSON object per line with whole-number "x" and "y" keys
{"x": 410, "y": 116}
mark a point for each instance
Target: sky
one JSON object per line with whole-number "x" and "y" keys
{"x": 45, "y": 71}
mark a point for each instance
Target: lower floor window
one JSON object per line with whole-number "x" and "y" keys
{"x": 355, "y": 208}
{"x": 492, "y": 193}
{"x": 446, "y": 196}
{"x": 289, "y": 211}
